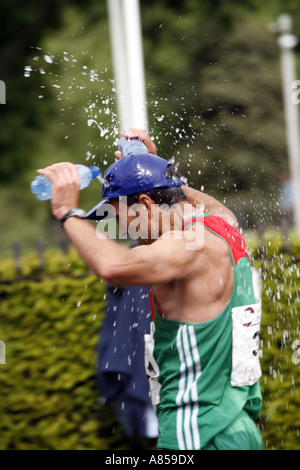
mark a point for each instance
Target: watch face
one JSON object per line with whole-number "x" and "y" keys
{"x": 79, "y": 213}
{"x": 73, "y": 213}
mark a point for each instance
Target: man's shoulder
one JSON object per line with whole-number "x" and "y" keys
{"x": 190, "y": 239}
{"x": 223, "y": 229}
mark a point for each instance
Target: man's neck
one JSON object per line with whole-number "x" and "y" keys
{"x": 175, "y": 216}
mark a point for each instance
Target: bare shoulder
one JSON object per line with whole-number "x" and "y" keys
{"x": 191, "y": 239}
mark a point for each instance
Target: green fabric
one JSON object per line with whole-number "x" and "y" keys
{"x": 242, "y": 434}
{"x": 197, "y": 401}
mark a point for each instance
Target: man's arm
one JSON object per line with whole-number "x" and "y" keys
{"x": 164, "y": 260}
{"x": 210, "y": 204}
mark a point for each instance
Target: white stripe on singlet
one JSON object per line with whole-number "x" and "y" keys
{"x": 190, "y": 370}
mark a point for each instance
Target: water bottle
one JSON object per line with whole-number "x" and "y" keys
{"x": 131, "y": 146}
{"x": 41, "y": 186}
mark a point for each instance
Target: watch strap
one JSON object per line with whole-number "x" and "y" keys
{"x": 80, "y": 213}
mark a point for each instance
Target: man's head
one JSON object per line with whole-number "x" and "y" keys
{"x": 147, "y": 185}
{"x": 144, "y": 216}
{"x": 162, "y": 195}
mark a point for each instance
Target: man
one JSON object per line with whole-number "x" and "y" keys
{"x": 202, "y": 356}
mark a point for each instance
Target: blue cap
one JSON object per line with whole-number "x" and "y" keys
{"x": 133, "y": 174}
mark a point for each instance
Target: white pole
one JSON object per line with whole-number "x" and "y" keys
{"x": 117, "y": 38}
{"x": 287, "y": 42}
{"x": 127, "y": 50}
{"x": 135, "y": 63}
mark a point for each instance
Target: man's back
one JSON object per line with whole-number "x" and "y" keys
{"x": 204, "y": 392}
{"x": 202, "y": 292}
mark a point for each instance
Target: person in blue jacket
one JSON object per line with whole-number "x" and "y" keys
{"x": 121, "y": 375}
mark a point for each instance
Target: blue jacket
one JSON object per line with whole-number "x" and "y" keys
{"x": 120, "y": 368}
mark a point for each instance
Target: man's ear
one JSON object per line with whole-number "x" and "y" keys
{"x": 146, "y": 201}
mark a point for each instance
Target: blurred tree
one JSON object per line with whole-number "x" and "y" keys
{"x": 213, "y": 87}
{"x": 220, "y": 104}
{"x": 32, "y": 130}
{"x": 23, "y": 24}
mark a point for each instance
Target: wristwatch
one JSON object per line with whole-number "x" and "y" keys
{"x": 80, "y": 213}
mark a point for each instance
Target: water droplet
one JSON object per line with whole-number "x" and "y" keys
{"x": 27, "y": 70}
{"x": 48, "y": 58}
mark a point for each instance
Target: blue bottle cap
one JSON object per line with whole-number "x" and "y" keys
{"x": 95, "y": 171}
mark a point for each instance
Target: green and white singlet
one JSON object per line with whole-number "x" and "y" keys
{"x": 204, "y": 376}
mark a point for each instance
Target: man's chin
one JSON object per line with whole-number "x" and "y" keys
{"x": 144, "y": 241}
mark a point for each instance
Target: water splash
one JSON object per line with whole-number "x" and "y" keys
{"x": 103, "y": 132}
{"x": 66, "y": 74}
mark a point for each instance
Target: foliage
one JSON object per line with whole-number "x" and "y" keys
{"x": 50, "y": 322}
{"x": 222, "y": 107}
{"x": 280, "y": 339}
{"x": 23, "y": 26}
{"x": 50, "y": 325}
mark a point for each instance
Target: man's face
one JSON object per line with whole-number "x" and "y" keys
{"x": 133, "y": 221}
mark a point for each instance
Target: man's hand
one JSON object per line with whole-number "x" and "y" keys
{"x": 65, "y": 186}
{"x": 142, "y": 135}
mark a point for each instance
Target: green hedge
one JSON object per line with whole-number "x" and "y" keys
{"x": 280, "y": 337}
{"x": 50, "y": 324}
